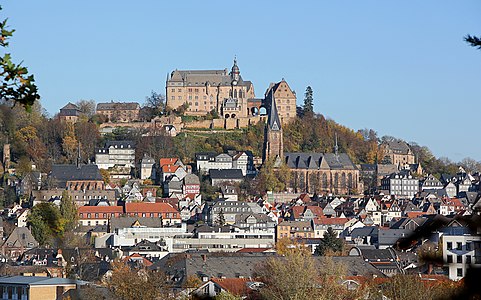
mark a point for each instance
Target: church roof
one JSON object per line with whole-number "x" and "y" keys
{"x": 316, "y": 161}
{"x": 273, "y": 117}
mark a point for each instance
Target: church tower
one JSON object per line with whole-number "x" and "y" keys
{"x": 273, "y": 143}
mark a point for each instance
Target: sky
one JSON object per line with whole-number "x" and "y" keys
{"x": 398, "y": 67}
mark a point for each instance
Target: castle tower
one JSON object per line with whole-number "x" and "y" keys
{"x": 235, "y": 73}
{"x": 273, "y": 143}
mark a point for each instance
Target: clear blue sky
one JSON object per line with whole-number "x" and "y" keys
{"x": 400, "y": 68}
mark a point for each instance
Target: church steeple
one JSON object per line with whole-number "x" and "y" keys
{"x": 273, "y": 141}
{"x": 235, "y": 72}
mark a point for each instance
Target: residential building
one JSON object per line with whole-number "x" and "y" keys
{"x": 398, "y": 152}
{"x": 119, "y": 112}
{"x": 400, "y": 185}
{"x": 116, "y": 154}
{"x": 164, "y": 211}
{"x": 228, "y": 210}
{"x": 98, "y": 215}
{"x": 147, "y": 168}
{"x": 229, "y": 176}
{"x": 460, "y": 249}
{"x": 295, "y": 230}
{"x": 19, "y": 241}
{"x": 69, "y": 113}
{"x": 35, "y": 288}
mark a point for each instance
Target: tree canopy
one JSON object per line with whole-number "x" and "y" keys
{"x": 17, "y": 85}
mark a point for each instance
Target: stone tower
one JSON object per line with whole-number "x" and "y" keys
{"x": 273, "y": 143}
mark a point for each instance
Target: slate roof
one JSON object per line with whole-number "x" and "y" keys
{"x": 202, "y": 77}
{"x": 64, "y": 173}
{"x": 273, "y": 117}
{"x": 126, "y": 222}
{"x": 316, "y": 161}
{"x": 118, "y": 106}
{"x": 398, "y": 146}
{"x": 365, "y": 231}
{"x": 120, "y": 144}
{"x": 36, "y": 280}
{"x": 226, "y": 174}
{"x": 191, "y": 179}
{"x": 21, "y": 237}
{"x": 232, "y": 265}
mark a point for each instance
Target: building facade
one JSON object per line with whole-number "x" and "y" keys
{"x": 119, "y": 112}
{"x": 203, "y": 91}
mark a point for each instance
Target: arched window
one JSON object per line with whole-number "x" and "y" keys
{"x": 349, "y": 181}
{"x": 343, "y": 180}
{"x": 235, "y": 93}
{"x": 336, "y": 181}
{"x": 324, "y": 181}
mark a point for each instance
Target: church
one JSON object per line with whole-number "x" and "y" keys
{"x": 319, "y": 173}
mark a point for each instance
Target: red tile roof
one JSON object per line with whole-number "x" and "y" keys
{"x": 414, "y": 214}
{"x": 235, "y": 286}
{"x": 167, "y": 161}
{"x": 169, "y": 168}
{"x": 144, "y": 207}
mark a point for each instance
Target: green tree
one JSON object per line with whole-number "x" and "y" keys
{"x": 308, "y": 107}
{"x": 329, "y": 243}
{"x": 46, "y": 222}
{"x": 68, "y": 210}
{"x": 154, "y": 106}
{"x": 220, "y": 221}
{"x": 17, "y": 85}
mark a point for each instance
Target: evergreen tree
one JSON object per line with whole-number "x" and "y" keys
{"x": 329, "y": 242}
{"x": 220, "y": 218}
{"x": 308, "y": 108}
{"x": 68, "y": 210}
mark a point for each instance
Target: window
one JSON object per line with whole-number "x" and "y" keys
{"x": 449, "y": 245}
{"x": 180, "y": 97}
{"x": 459, "y": 259}
{"x": 468, "y": 246}
{"x": 179, "y": 90}
{"x": 459, "y": 272}
{"x": 173, "y": 97}
{"x": 459, "y": 246}
{"x": 173, "y": 90}
{"x": 450, "y": 259}
{"x": 468, "y": 259}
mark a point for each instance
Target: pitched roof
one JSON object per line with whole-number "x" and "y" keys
{"x": 36, "y": 280}
{"x": 273, "y": 120}
{"x": 118, "y": 106}
{"x": 21, "y": 237}
{"x": 316, "y": 161}
{"x": 144, "y": 207}
{"x": 227, "y": 174}
{"x": 167, "y": 161}
{"x": 127, "y": 222}
{"x": 100, "y": 209}
{"x": 64, "y": 173}
{"x": 169, "y": 168}
{"x": 235, "y": 286}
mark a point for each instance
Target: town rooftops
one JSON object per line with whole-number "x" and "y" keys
{"x": 398, "y": 146}
{"x": 330, "y": 221}
{"x": 36, "y": 280}
{"x": 169, "y": 168}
